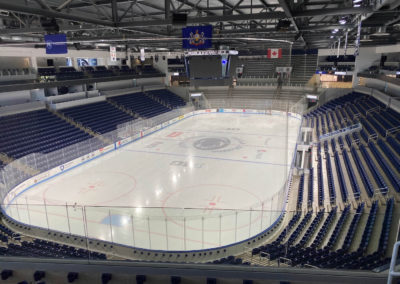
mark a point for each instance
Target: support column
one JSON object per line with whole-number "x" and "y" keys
{"x": 34, "y": 62}
{"x": 302, "y": 160}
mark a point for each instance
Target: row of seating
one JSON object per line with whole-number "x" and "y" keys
{"x": 41, "y": 248}
{"x": 390, "y": 173}
{"x": 374, "y": 169}
{"x": 310, "y": 186}
{"x": 351, "y": 174}
{"x": 141, "y": 104}
{"x": 363, "y": 173}
{"x": 393, "y": 143}
{"x": 300, "y": 192}
{"x": 167, "y": 97}
{"x": 36, "y": 131}
{"x": 299, "y": 228}
{"x": 70, "y": 73}
{"x": 324, "y": 257}
{"x": 373, "y": 123}
{"x": 387, "y": 222}
{"x": 43, "y": 132}
{"x": 101, "y": 117}
{"x": 312, "y": 228}
{"x": 231, "y": 260}
{"x": 340, "y": 176}
{"x": 320, "y": 181}
{"x": 262, "y": 249}
{"x": 353, "y": 226}
{"x": 63, "y": 76}
{"x": 376, "y": 125}
{"x": 338, "y": 228}
{"x": 331, "y": 185}
{"x": 341, "y": 58}
{"x": 147, "y": 70}
{"x": 389, "y": 154}
{"x": 369, "y": 226}
{"x": 324, "y": 229}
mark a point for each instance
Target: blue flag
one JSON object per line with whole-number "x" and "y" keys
{"x": 197, "y": 37}
{"x": 56, "y": 44}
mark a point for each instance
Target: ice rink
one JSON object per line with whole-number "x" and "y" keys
{"x": 206, "y": 181}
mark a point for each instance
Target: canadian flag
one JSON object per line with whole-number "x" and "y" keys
{"x": 274, "y": 52}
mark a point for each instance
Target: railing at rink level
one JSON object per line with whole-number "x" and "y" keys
{"x": 176, "y": 229}
{"x": 267, "y": 105}
{"x": 69, "y": 215}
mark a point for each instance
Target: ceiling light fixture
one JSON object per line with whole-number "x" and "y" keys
{"x": 381, "y": 32}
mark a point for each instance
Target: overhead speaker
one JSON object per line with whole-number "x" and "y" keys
{"x": 297, "y": 36}
{"x": 283, "y": 25}
{"x": 179, "y": 19}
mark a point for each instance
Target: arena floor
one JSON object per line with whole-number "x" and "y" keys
{"x": 206, "y": 181}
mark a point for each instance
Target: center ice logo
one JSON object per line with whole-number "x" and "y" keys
{"x": 214, "y": 144}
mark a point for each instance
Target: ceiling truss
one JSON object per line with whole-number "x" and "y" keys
{"x": 313, "y": 24}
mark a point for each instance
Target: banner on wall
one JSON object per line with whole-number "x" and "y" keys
{"x": 87, "y": 61}
{"x": 113, "y": 53}
{"x": 56, "y": 44}
{"x": 197, "y": 37}
{"x": 142, "y": 55}
{"x": 274, "y": 53}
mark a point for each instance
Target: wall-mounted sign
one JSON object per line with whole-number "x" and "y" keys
{"x": 113, "y": 53}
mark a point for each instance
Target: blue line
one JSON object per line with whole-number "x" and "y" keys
{"x": 204, "y": 157}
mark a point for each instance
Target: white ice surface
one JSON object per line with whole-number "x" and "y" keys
{"x": 226, "y": 170}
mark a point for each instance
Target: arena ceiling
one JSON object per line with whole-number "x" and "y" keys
{"x": 241, "y": 24}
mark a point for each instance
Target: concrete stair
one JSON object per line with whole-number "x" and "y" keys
{"x": 82, "y": 127}
{"x": 122, "y": 108}
{"x": 157, "y": 100}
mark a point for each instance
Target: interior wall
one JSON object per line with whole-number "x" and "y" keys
{"x": 17, "y": 97}
{"x": 162, "y": 65}
{"x": 58, "y": 61}
{"x": 364, "y": 60}
{"x": 14, "y": 62}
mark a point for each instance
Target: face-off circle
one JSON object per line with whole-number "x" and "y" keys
{"x": 96, "y": 188}
{"x": 214, "y": 201}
